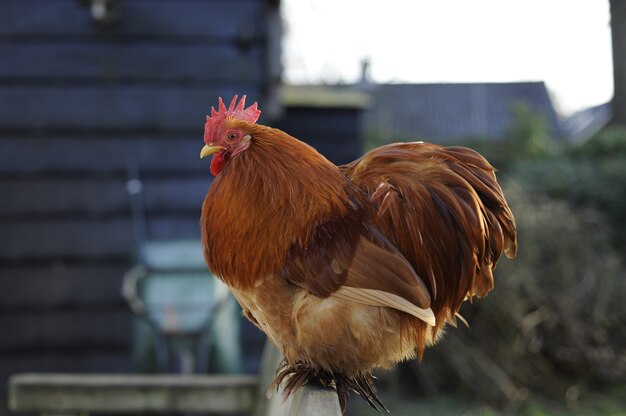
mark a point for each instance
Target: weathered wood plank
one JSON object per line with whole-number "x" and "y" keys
{"x": 131, "y": 393}
{"x": 98, "y": 196}
{"x": 43, "y": 196}
{"x": 66, "y": 285}
{"x": 157, "y": 73}
{"x": 93, "y": 360}
{"x": 333, "y": 132}
{"x": 308, "y": 401}
{"x": 338, "y": 152}
{"x": 177, "y": 193}
{"x": 122, "y": 62}
{"x": 141, "y": 18}
{"x": 102, "y": 155}
{"x": 118, "y": 107}
{"x": 58, "y": 393}
{"x": 176, "y": 155}
{"x": 69, "y": 238}
{"x": 88, "y": 238}
{"x": 175, "y": 227}
{"x": 76, "y": 329}
{"x": 335, "y": 120}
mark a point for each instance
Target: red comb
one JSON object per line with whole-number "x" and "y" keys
{"x": 215, "y": 120}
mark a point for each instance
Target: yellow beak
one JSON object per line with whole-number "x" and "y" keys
{"x": 209, "y": 150}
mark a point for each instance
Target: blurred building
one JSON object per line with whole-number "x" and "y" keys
{"x": 448, "y": 113}
{"x": 100, "y": 101}
{"x": 584, "y": 124}
{"x": 328, "y": 118}
{"x": 90, "y": 97}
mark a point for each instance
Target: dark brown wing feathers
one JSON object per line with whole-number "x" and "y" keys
{"x": 348, "y": 252}
{"x": 321, "y": 265}
{"x": 445, "y": 212}
{"x": 378, "y": 265}
{"x": 430, "y": 224}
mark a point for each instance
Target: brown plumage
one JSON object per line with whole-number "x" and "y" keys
{"x": 348, "y": 268}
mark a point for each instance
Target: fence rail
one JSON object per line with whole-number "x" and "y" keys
{"x": 81, "y": 394}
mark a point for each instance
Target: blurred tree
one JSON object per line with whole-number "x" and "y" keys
{"x": 608, "y": 143}
{"x": 528, "y": 134}
{"x": 555, "y": 321}
{"x": 618, "y": 29}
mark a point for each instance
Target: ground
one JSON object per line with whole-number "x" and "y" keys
{"x": 605, "y": 403}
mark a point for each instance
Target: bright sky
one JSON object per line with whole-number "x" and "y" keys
{"x": 566, "y": 43}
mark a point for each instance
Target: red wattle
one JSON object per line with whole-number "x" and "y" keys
{"x": 218, "y": 162}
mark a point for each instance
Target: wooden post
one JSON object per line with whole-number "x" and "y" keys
{"x": 618, "y": 30}
{"x": 308, "y": 401}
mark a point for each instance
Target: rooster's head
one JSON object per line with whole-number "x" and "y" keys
{"x": 225, "y": 133}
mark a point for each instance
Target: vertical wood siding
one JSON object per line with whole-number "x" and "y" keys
{"x": 79, "y": 104}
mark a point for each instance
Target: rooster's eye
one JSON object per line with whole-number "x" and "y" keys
{"x": 232, "y": 136}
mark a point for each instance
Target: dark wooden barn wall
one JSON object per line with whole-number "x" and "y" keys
{"x": 333, "y": 131}
{"x": 78, "y": 104}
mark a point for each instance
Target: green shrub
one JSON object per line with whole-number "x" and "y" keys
{"x": 529, "y": 134}
{"x": 609, "y": 142}
{"x": 598, "y": 183}
{"x": 555, "y": 318}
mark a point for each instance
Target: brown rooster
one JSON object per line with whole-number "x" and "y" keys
{"x": 348, "y": 268}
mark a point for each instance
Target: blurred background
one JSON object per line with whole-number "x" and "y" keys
{"x": 102, "y": 106}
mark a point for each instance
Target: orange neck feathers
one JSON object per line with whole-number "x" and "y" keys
{"x": 277, "y": 179}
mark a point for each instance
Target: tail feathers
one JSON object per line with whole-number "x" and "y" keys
{"x": 292, "y": 378}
